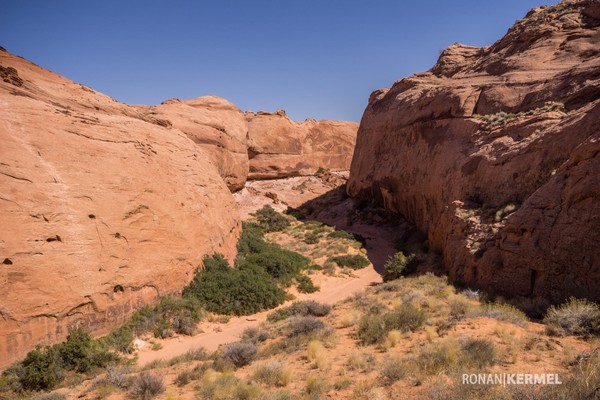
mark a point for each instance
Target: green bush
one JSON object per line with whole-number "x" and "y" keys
{"x": 42, "y": 369}
{"x": 355, "y": 261}
{"x": 373, "y": 328}
{"x": 270, "y": 220}
{"x": 82, "y": 353}
{"x": 575, "y": 317}
{"x": 280, "y": 263}
{"x": 341, "y": 235}
{"x": 398, "y": 265}
{"x": 300, "y": 308}
{"x": 238, "y": 291}
{"x": 251, "y": 239}
{"x": 306, "y": 285}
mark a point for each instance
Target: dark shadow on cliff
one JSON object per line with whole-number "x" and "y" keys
{"x": 380, "y": 229}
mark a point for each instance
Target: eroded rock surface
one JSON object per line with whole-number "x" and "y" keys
{"x": 279, "y": 147}
{"x": 102, "y": 208}
{"x": 495, "y": 152}
{"x": 216, "y": 126}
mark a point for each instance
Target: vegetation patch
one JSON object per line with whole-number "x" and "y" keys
{"x": 575, "y": 317}
{"x": 354, "y": 261}
{"x": 398, "y": 265}
{"x": 270, "y": 220}
{"x": 373, "y": 328}
{"x": 300, "y": 308}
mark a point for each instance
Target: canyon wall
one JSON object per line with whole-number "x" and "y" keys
{"x": 495, "y": 153}
{"x": 103, "y": 209}
{"x": 106, "y": 207}
{"x": 279, "y": 147}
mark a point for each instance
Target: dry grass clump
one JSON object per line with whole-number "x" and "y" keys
{"x": 452, "y": 355}
{"x": 393, "y": 369}
{"x": 361, "y": 362}
{"x": 273, "y": 373}
{"x": 575, "y": 317}
{"x": 373, "y": 328}
{"x": 147, "y": 386}
{"x": 502, "y": 312}
{"x": 217, "y": 386}
{"x": 316, "y": 386}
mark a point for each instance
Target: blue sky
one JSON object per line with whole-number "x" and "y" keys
{"x": 315, "y": 59}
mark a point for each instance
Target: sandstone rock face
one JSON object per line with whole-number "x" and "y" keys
{"x": 216, "y": 126}
{"x": 279, "y": 147}
{"x": 103, "y": 208}
{"x": 495, "y": 152}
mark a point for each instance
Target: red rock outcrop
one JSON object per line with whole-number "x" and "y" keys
{"x": 279, "y": 147}
{"x": 103, "y": 207}
{"x": 495, "y": 152}
{"x": 217, "y": 127}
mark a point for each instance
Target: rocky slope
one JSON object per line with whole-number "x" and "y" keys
{"x": 279, "y": 147}
{"x": 495, "y": 153}
{"x": 103, "y": 209}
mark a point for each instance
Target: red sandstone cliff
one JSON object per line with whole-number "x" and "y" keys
{"x": 495, "y": 152}
{"x": 102, "y": 208}
{"x": 279, "y": 147}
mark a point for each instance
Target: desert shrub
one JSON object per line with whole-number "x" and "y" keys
{"x": 240, "y": 353}
{"x": 355, "y": 261}
{"x": 459, "y": 306}
{"x": 439, "y": 357}
{"x": 42, "y": 369}
{"x": 398, "y": 265}
{"x": 305, "y": 325}
{"x": 272, "y": 374}
{"x": 147, "y": 386}
{"x": 117, "y": 376}
{"x": 45, "y": 367}
{"x": 82, "y": 353}
{"x": 251, "y": 239}
{"x": 393, "y": 370}
{"x": 300, "y": 308}
{"x": 478, "y": 353}
{"x": 306, "y": 285}
{"x": 503, "y": 312}
{"x": 239, "y": 291}
{"x": 311, "y": 238}
{"x": 316, "y": 386}
{"x": 280, "y": 263}
{"x": 172, "y": 314}
{"x": 341, "y": 235}
{"x": 362, "y": 362}
{"x": 373, "y": 328}
{"x": 575, "y": 317}
{"x": 50, "y": 396}
{"x": 185, "y": 377}
{"x": 255, "y": 335}
{"x": 312, "y": 225}
{"x": 227, "y": 387}
{"x": 270, "y": 220}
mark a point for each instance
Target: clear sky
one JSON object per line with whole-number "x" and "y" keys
{"x": 314, "y": 58}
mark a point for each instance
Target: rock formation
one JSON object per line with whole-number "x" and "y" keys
{"x": 279, "y": 147}
{"x": 495, "y": 152}
{"x": 217, "y": 127}
{"x": 103, "y": 207}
